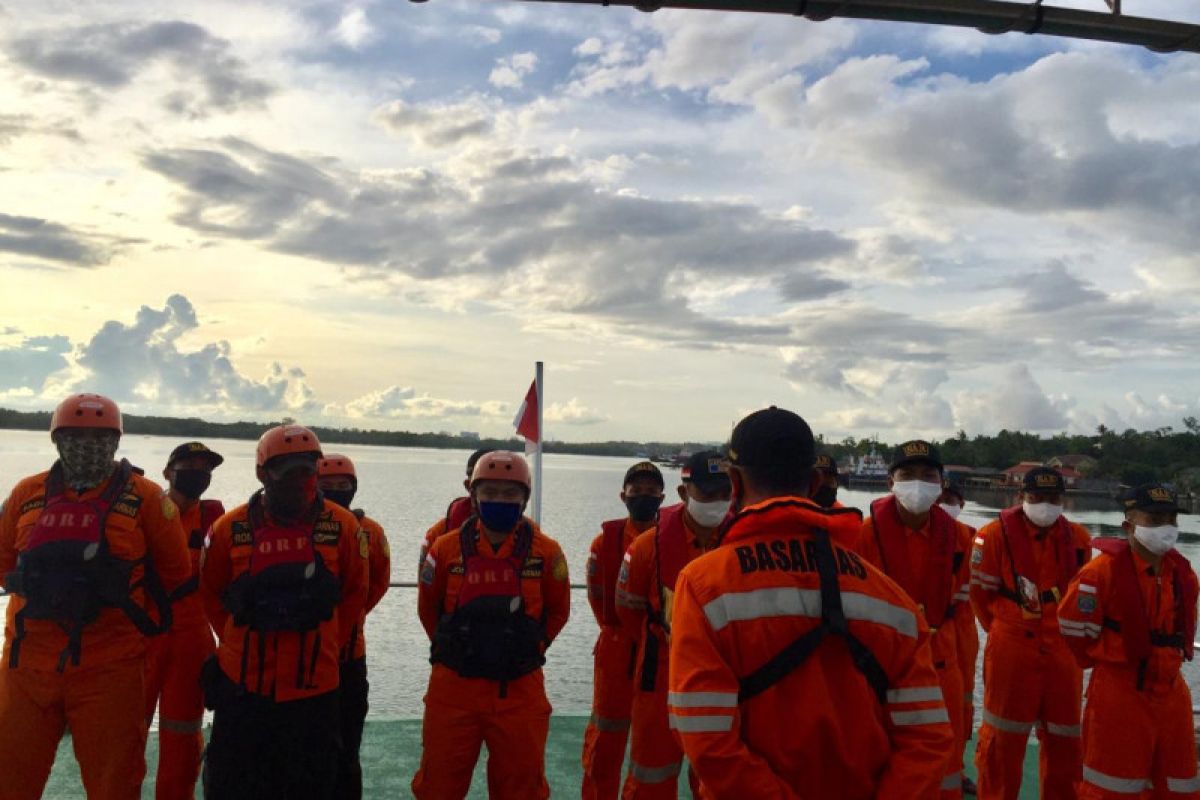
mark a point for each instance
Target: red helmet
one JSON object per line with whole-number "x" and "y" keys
{"x": 502, "y": 465}
{"x": 286, "y": 440}
{"x": 87, "y": 411}
{"x": 333, "y": 464}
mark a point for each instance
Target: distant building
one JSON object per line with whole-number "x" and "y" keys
{"x": 470, "y": 436}
{"x": 1082, "y": 464}
{"x": 1014, "y": 476}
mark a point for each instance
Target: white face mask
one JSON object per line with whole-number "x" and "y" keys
{"x": 917, "y": 497}
{"x": 1042, "y": 514}
{"x": 708, "y": 515}
{"x": 1159, "y": 539}
{"x": 951, "y": 509}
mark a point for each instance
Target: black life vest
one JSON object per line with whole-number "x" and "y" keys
{"x": 68, "y": 575}
{"x": 488, "y": 634}
{"x": 287, "y": 586}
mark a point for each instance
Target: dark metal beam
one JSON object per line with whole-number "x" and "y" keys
{"x": 989, "y": 16}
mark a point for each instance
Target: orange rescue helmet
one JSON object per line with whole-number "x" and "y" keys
{"x": 333, "y": 464}
{"x": 87, "y": 411}
{"x": 286, "y": 440}
{"x": 502, "y": 465}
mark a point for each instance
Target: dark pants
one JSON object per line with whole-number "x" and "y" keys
{"x": 263, "y": 749}
{"x": 353, "y": 702}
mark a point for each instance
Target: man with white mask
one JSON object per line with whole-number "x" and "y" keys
{"x": 921, "y": 547}
{"x": 1021, "y": 565}
{"x": 644, "y": 600}
{"x": 1130, "y": 615}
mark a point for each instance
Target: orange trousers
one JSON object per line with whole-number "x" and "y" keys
{"x": 655, "y": 757}
{"x": 173, "y": 663}
{"x": 612, "y": 700}
{"x": 950, "y": 679}
{"x": 1028, "y": 682}
{"x": 1137, "y": 744}
{"x": 102, "y": 707}
{"x": 461, "y": 715}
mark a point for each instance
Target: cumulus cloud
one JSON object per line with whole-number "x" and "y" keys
{"x": 143, "y": 361}
{"x": 29, "y": 364}
{"x": 354, "y": 29}
{"x": 436, "y": 126}
{"x": 51, "y": 241}
{"x": 111, "y": 56}
{"x": 1017, "y": 402}
{"x": 573, "y": 412}
{"x": 510, "y": 73}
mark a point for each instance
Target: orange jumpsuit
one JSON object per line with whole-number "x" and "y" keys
{"x": 654, "y": 754}
{"x": 967, "y": 634}
{"x": 101, "y": 699}
{"x": 173, "y": 663}
{"x": 952, "y": 673}
{"x": 821, "y": 730}
{"x": 379, "y": 577}
{"x": 1029, "y": 676}
{"x": 612, "y": 677}
{"x": 456, "y": 514}
{"x": 1138, "y": 737}
{"x": 461, "y": 714}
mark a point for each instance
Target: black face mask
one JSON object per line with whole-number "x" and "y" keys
{"x": 825, "y": 497}
{"x": 643, "y": 507}
{"x": 290, "y": 498}
{"x": 191, "y": 483}
{"x": 343, "y": 497}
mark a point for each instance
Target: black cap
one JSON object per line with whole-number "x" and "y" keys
{"x": 478, "y": 454}
{"x": 772, "y": 437}
{"x": 954, "y": 487}
{"x": 192, "y": 449}
{"x": 915, "y": 451}
{"x": 825, "y": 463}
{"x": 1044, "y": 479}
{"x": 1150, "y": 497}
{"x": 643, "y": 469}
{"x": 707, "y": 470}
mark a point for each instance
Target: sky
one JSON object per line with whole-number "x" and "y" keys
{"x": 380, "y": 214}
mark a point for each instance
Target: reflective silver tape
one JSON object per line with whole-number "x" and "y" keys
{"x": 1069, "y": 731}
{"x": 1184, "y": 785}
{"x": 1115, "y": 784}
{"x": 926, "y": 716}
{"x": 710, "y": 723}
{"x": 914, "y": 694}
{"x": 789, "y": 601}
{"x": 702, "y": 699}
{"x": 643, "y": 774}
{"x": 1006, "y": 725}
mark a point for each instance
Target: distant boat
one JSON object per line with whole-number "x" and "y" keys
{"x": 871, "y": 467}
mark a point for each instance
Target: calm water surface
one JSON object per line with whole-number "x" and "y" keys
{"x": 407, "y": 490}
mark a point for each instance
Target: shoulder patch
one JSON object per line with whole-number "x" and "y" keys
{"x": 976, "y": 556}
{"x": 384, "y": 546}
{"x": 1086, "y": 602}
{"x": 559, "y": 569}
{"x": 364, "y": 543}
{"x": 169, "y": 509}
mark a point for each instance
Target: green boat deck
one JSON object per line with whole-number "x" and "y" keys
{"x": 391, "y": 750}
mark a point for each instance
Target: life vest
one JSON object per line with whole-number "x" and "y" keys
{"x": 1025, "y": 570}
{"x": 833, "y": 617}
{"x": 1134, "y": 625}
{"x": 934, "y": 598}
{"x": 210, "y": 512}
{"x": 67, "y": 574}
{"x": 612, "y": 553}
{"x": 458, "y": 512}
{"x": 488, "y": 634}
{"x": 671, "y": 555}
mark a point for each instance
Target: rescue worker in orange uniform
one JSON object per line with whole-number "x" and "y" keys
{"x": 174, "y": 660}
{"x": 1021, "y": 565}
{"x": 456, "y": 513}
{"x": 338, "y": 481}
{"x": 1130, "y": 615}
{"x": 924, "y": 549}
{"x": 645, "y": 589}
{"x": 952, "y": 501}
{"x": 284, "y": 582}
{"x": 89, "y": 551}
{"x": 493, "y": 596}
{"x": 798, "y": 670}
{"x": 824, "y": 490}
{"x": 615, "y": 653}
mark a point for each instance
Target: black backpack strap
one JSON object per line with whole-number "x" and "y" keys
{"x": 833, "y": 622}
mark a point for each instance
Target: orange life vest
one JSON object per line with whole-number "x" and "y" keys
{"x": 612, "y": 553}
{"x": 1020, "y": 553}
{"x": 935, "y": 596}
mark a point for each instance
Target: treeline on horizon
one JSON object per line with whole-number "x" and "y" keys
{"x": 1131, "y": 457}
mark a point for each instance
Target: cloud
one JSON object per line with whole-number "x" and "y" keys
{"x": 354, "y": 29}
{"x": 111, "y": 56}
{"x": 573, "y": 412}
{"x": 29, "y": 364}
{"x": 51, "y": 241}
{"x": 403, "y": 402}
{"x": 510, "y": 72}
{"x": 1016, "y": 403}
{"x": 436, "y": 126}
{"x": 143, "y": 362}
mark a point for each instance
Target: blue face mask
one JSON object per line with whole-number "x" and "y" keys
{"x": 498, "y": 516}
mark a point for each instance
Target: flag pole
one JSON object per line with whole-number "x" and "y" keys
{"x": 537, "y": 453}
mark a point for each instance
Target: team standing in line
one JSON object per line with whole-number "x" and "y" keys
{"x": 758, "y": 629}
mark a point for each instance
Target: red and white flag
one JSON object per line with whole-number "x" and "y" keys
{"x": 526, "y": 421}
